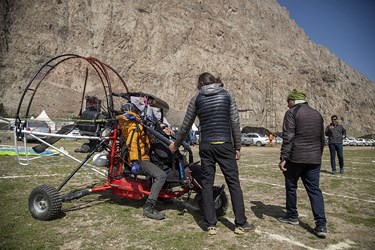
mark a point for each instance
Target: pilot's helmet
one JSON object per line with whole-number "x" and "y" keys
{"x": 130, "y": 107}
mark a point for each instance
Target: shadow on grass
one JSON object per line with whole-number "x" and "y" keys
{"x": 325, "y": 171}
{"x": 96, "y": 199}
{"x": 190, "y": 206}
{"x": 307, "y": 227}
{"x": 260, "y": 210}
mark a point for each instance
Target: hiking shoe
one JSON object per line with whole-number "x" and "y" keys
{"x": 286, "y": 219}
{"x": 150, "y": 212}
{"x": 333, "y": 172}
{"x": 320, "y": 231}
{"x": 244, "y": 228}
{"x": 212, "y": 230}
{"x": 341, "y": 171}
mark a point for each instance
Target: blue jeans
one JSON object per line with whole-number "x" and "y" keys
{"x": 310, "y": 174}
{"x": 333, "y": 148}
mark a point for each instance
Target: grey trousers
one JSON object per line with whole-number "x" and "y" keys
{"x": 159, "y": 177}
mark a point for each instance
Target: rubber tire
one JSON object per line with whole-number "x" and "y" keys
{"x": 45, "y": 203}
{"x": 221, "y": 205}
{"x": 258, "y": 143}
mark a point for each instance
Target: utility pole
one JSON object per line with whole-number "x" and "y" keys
{"x": 269, "y": 119}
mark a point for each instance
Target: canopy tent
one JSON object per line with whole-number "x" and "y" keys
{"x": 44, "y": 117}
{"x": 259, "y": 130}
{"x": 369, "y": 136}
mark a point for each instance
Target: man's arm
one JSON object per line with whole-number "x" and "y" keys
{"x": 289, "y": 126}
{"x": 190, "y": 115}
{"x": 328, "y": 131}
{"x": 235, "y": 123}
{"x": 343, "y": 132}
{"x": 323, "y": 138}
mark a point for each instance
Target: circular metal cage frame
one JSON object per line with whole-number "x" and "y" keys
{"x": 102, "y": 70}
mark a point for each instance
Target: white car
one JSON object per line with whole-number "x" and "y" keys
{"x": 360, "y": 142}
{"x": 258, "y": 140}
{"x": 345, "y": 142}
{"x": 245, "y": 140}
{"x": 352, "y": 141}
{"x": 368, "y": 142}
{"x": 278, "y": 140}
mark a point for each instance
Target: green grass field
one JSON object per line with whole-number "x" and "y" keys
{"x": 107, "y": 222}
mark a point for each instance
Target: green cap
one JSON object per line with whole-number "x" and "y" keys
{"x": 297, "y": 95}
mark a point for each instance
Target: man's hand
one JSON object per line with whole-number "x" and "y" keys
{"x": 168, "y": 131}
{"x": 172, "y": 147}
{"x": 282, "y": 165}
{"x": 238, "y": 155}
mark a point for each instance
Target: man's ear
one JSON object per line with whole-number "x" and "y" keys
{"x": 200, "y": 85}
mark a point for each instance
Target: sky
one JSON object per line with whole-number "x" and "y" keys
{"x": 345, "y": 27}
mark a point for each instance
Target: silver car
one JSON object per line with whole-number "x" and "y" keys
{"x": 258, "y": 140}
{"x": 360, "y": 142}
{"x": 245, "y": 140}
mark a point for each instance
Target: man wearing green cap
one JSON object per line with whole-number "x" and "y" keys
{"x": 301, "y": 156}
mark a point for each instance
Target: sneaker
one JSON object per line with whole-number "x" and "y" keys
{"x": 341, "y": 171}
{"x": 212, "y": 230}
{"x": 320, "y": 231}
{"x": 333, "y": 172}
{"x": 286, "y": 219}
{"x": 244, "y": 228}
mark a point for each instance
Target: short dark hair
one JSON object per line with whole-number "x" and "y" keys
{"x": 334, "y": 116}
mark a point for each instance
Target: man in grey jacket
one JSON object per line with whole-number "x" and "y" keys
{"x": 301, "y": 156}
{"x": 220, "y": 142}
{"x": 336, "y": 133}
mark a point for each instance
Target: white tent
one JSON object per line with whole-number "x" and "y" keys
{"x": 44, "y": 117}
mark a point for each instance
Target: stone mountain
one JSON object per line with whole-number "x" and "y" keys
{"x": 160, "y": 47}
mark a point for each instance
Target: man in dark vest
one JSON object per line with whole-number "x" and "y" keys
{"x": 301, "y": 156}
{"x": 220, "y": 142}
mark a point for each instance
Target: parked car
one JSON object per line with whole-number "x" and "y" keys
{"x": 352, "y": 141}
{"x": 368, "y": 142}
{"x": 360, "y": 142}
{"x": 345, "y": 142}
{"x": 258, "y": 140}
{"x": 245, "y": 140}
{"x": 36, "y": 126}
{"x": 278, "y": 140}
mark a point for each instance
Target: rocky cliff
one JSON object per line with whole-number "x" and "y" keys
{"x": 161, "y": 46}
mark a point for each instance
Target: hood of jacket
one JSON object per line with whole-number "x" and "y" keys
{"x": 211, "y": 89}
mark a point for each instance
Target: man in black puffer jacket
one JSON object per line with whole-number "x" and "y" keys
{"x": 220, "y": 142}
{"x": 301, "y": 156}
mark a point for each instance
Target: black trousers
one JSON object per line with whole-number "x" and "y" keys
{"x": 309, "y": 174}
{"x": 225, "y": 156}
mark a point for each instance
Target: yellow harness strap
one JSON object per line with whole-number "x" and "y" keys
{"x": 217, "y": 142}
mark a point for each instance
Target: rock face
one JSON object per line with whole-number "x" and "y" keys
{"x": 160, "y": 47}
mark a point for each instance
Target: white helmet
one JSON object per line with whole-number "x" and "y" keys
{"x": 99, "y": 160}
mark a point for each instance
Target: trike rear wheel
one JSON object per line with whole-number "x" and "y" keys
{"x": 220, "y": 201}
{"x": 45, "y": 203}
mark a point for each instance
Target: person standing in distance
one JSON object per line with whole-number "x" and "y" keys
{"x": 301, "y": 157}
{"x": 336, "y": 133}
{"x": 220, "y": 142}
